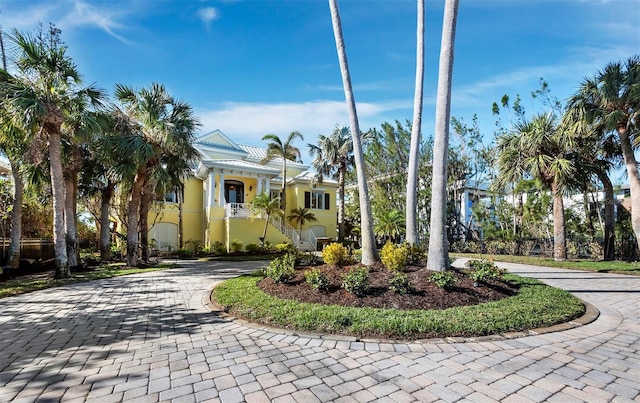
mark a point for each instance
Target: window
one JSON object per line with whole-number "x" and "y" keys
{"x": 316, "y": 200}
{"x": 274, "y": 194}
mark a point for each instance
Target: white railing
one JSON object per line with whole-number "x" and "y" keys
{"x": 286, "y": 229}
{"x": 313, "y": 240}
{"x": 236, "y": 210}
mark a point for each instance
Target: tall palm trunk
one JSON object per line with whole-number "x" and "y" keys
{"x": 438, "y": 259}
{"x": 609, "y": 252}
{"x": 414, "y": 152}
{"x": 133, "y": 210}
{"x": 559, "y": 231}
{"x": 16, "y": 216}
{"x": 52, "y": 127}
{"x": 283, "y": 200}
{"x": 180, "y": 218}
{"x": 145, "y": 206}
{"x": 634, "y": 179}
{"x": 369, "y": 250}
{"x": 105, "y": 234}
{"x": 70, "y": 219}
{"x": 341, "y": 174}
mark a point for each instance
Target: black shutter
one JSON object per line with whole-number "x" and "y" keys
{"x": 307, "y": 199}
{"x": 326, "y": 201}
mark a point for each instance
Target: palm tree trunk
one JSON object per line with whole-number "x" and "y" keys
{"x": 438, "y": 259}
{"x": 16, "y": 216}
{"x": 414, "y": 152}
{"x": 52, "y": 127}
{"x": 609, "y": 252}
{"x": 180, "y": 218}
{"x": 70, "y": 220}
{"x": 133, "y": 210}
{"x": 559, "y": 233}
{"x": 145, "y": 206}
{"x": 369, "y": 250}
{"x": 634, "y": 180}
{"x": 283, "y": 200}
{"x": 105, "y": 235}
{"x": 341, "y": 173}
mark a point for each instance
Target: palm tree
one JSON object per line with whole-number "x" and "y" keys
{"x": 438, "y": 259}
{"x": 538, "y": 149}
{"x": 263, "y": 206}
{"x": 285, "y": 151}
{"x": 390, "y": 224}
{"x": 369, "y": 250}
{"x": 609, "y": 102}
{"x": 302, "y": 215}
{"x": 414, "y": 152}
{"x": 37, "y": 97}
{"x": 159, "y": 150}
{"x": 333, "y": 156}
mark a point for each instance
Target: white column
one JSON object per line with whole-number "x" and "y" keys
{"x": 211, "y": 189}
{"x": 259, "y": 188}
{"x": 268, "y": 185}
{"x": 221, "y": 200}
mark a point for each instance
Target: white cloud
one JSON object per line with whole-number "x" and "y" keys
{"x": 66, "y": 15}
{"x": 207, "y": 14}
{"x": 247, "y": 123}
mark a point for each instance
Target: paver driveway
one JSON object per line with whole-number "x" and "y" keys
{"x": 148, "y": 337}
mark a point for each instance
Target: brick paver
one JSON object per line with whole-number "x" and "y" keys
{"x": 149, "y": 337}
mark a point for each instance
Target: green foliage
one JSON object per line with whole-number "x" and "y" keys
{"x": 252, "y": 247}
{"x": 219, "y": 248}
{"x": 416, "y": 255}
{"x": 183, "y": 253}
{"x": 236, "y": 246}
{"x": 283, "y": 247}
{"x": 356, "y": 281}
{"x": 535, "y": 305}
{"x": 281, "y": 269}
{"x": 335, "y": 254}
{"x": 394, "y": 257}
{"x": 401, "y": 284}
{"x": 194, "y": 245}
{"x": 317, "y": 279}
{"x": 484, "y": 270}
{"x": 443, "y": 279}
{"x": 307, "y": 259}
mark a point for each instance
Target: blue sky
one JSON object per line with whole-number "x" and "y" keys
{"x": 255, "y": 67}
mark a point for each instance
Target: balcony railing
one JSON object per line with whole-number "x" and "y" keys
{"x": 236, "y": 210}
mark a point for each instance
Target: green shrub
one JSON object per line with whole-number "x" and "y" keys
{"x": 335, "y": 254}
{"x": 236, "y": 246}
{"x": 219, "y": 248}
{"x": 307, "y": 259}
{"x": 401, "y": 284}
{"x": 283, "y": 247}
{"x": 317, "y": 279}
{"x": 281, "y": 269}
{"x": 394, "y": 257}
{"x": 484, "y": 270}
{"x": 252, "y": 247}
{"x": 415, "y": 255}
{"x": 356, "y": 281}
{"x": 443, "y": 279}
{"x": 183, "y": 253}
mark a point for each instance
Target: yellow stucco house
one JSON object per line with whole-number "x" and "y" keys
{"x": 216, "y": 200}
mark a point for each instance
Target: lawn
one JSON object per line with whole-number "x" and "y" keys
{"x": 615, "y": 266}
{"x": 40, "y": 281}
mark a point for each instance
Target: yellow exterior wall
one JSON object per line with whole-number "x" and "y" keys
{"x": 192, "y": 214}
{"x": 249, "y": 231}
{"x": 326, "y": 218}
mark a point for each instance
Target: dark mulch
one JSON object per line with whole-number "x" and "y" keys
{"x": 426, "y": 296}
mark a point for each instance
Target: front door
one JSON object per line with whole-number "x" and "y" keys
{"x": 234, "y": 191}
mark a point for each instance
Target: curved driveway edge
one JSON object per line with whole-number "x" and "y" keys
{"x": 149, "y": 337}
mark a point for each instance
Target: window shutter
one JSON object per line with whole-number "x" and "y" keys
{"x": 326, "y": 201}
{"x": 307, "y": 199}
